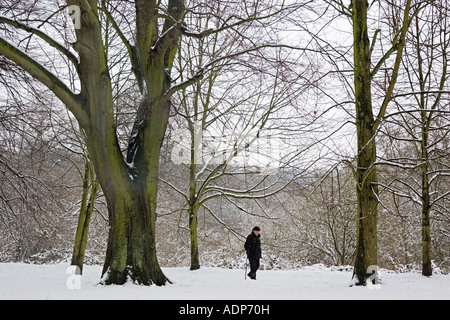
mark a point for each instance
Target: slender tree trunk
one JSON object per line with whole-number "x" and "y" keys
{"x": 427, "y": 269}
{"x": 193, "y": 226}
{"x": 367, "y": 211}
{"x": 87, "y": 207}
{"x": 193, "y": 202}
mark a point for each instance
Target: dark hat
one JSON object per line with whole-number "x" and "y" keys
{"x": 256, "y": 229}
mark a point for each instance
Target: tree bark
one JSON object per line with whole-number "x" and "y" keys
{"x": 367, "y": 211}
{"x": 426, "y": 121}
{"x": 193, "y": 226}
{"x": 427, "y": 269}
{"x": 366, "y": 127}
{"x": 130, "y": 187}
{"x": 131, "y": 247}
{"x": 90, "y": 189}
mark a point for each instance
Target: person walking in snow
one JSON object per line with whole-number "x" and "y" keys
{"x": 253, "y": 248}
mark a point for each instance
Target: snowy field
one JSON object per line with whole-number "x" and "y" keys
{"x": 52, "y": 282}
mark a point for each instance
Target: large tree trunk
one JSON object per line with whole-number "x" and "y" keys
{"x": 366, "y": 246}
{"x": 131, "y": 251}
{"x": 130, "y": 187}
{"x": 130, "y": 190}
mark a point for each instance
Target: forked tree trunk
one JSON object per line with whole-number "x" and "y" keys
{"x": 131, "y": 193}
{"x": 130, "y": 187}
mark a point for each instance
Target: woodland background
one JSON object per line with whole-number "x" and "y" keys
{"x": 299, "y": 92}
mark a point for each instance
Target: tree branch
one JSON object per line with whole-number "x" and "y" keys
{"x": 66, "y": 52}
{"x": 37, "y": 71}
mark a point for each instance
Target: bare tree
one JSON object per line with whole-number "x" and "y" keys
{"x": 35, "y": 172}
{"x": 422, "y": 115}
{"x": 150, "y": 33}
{"x": 329, "y": 225}
{"x": 225, "y": 122}
{"x": 368, "y": 115}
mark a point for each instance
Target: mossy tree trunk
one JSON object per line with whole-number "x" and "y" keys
{"x": 90, "y": 191}
{"x": 193, "y": 226}
{"x": 366, "y": 173}
{"x": 194, "y": 199}
{"x": 366, "y": 128}
{"x": 129, "y": 185}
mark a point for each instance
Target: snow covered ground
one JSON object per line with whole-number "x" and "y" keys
{"x": 50, "y": 282}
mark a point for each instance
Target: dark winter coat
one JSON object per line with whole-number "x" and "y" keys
{"x": 253, "y": 246}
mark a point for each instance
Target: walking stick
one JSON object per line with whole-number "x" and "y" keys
{"x": 246, "y": 259}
